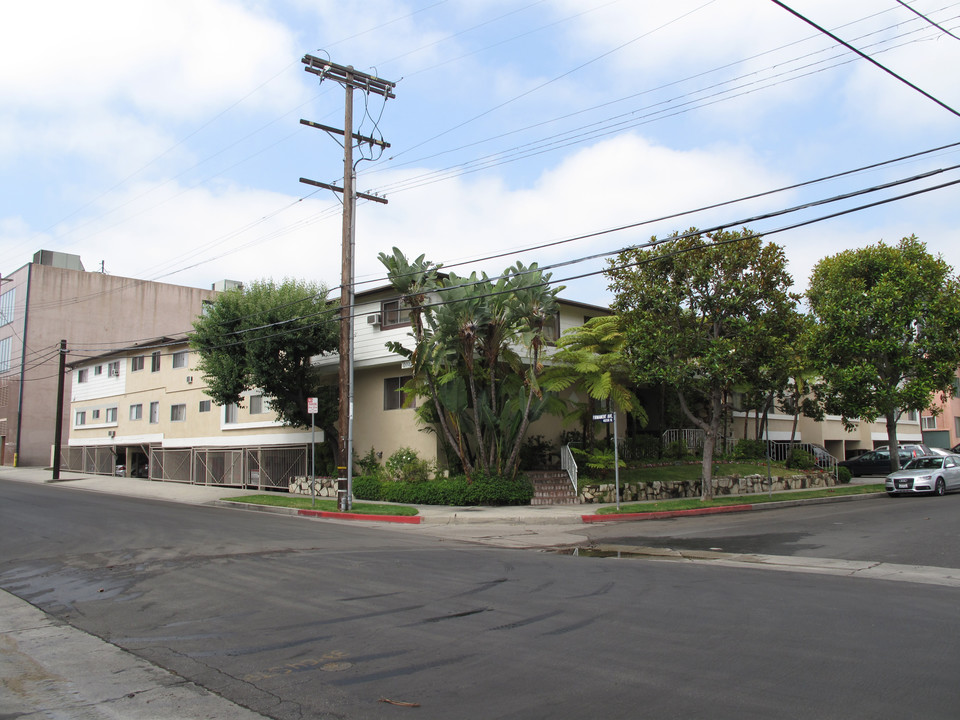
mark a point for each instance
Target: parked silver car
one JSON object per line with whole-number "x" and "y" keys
{"x": 926, "y": 474}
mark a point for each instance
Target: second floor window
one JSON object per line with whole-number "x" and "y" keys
{"x": 392, "y": 315}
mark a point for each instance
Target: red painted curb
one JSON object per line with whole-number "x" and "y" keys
{"x": 408, "y": 519}
{"x": 660, "y": 515}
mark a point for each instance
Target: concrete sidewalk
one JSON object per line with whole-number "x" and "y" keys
{"x": 205, "y": 495}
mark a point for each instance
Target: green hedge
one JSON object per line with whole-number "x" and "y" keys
{"x": 484, "y": 490}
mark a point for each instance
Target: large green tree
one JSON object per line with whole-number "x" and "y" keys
{"x": 888, "y": 331}
{"x": 476, "y": 354}
{"x": 694, "y": 310}
{"x": 263, "y": 336}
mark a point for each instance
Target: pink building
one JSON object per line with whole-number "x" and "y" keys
{"x": 943, "y": 428}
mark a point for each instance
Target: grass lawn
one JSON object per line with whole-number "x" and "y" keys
{"x": 305, "y": 503}
{"x": 755, "y": 499}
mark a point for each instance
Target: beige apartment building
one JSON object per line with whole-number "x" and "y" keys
{"x": 381, "y": 421}
{"x": 54, "y": 298}
{"x": 142, "y": 412}
{"x": 144, "y": 409}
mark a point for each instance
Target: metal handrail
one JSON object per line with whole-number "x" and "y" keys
{"x": 568, "y": 464}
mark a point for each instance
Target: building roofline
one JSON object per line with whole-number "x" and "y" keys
{"x": 164, "y": 341}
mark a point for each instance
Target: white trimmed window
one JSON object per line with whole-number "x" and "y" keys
{"x": 111, "y": 415}
{"x": 82, "y": 375}
{"x": 257, "y": 405}
{"x": 928, "y": 422}
{"x": 230, "y": 413}
{"x": 81, "y": 418}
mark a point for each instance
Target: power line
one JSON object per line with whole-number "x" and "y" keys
{"x": 919, "y": 14}
{"x": 866, "y": 57}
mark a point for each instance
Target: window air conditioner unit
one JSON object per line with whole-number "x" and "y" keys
{"x": 189, "y": 379}
{"x": 373, "y": 319}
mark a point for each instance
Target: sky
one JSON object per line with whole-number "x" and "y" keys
{"x": 163, "y": 141}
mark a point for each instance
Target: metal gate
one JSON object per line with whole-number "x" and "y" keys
{"x": 273, "y": 468}
{"x": 218, "y": 467}
{"x": 167, "y": 464}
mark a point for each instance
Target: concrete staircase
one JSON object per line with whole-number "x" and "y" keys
{"x": 552, "y": 487}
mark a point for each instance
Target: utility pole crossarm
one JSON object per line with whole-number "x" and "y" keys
{"x": 348, "y": 76}
{"x": 327, "y": 186}
{"x": 338, "y": 131}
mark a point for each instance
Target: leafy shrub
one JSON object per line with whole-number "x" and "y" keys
{"x": 641, "y": 447}
{"x": 369, "y": 464}
{"x": 600, "y": 460}
{"x": 484, "y": 490}
{"x": 800, "y": 459}
{"x": 843, "y": 475}
{"x": 677, "y": 450}
{"x": 367, "y": 487}
{"x": 537, "y": 453}
{"x": 405, "y": 465}
{"x": 750, "y": 450}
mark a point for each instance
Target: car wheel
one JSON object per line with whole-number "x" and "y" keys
{"x": 940, "y": 488}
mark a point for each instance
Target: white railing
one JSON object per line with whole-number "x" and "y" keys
{"x": 568, "y": 464}
{"x": 780, "y": 451}
{"x": 692, "y": 438}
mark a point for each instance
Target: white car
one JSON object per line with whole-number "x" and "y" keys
{"x": 926, "y": 474}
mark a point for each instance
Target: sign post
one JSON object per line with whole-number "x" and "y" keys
{"x": 312, "y": 409}
{"x": 612, "y": 418}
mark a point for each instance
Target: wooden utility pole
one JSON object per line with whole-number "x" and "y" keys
{"x": 350, "y": 79}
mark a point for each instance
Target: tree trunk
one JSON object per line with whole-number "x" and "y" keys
{"x": 710, "y": 432}
{"x": 892, "y": 418}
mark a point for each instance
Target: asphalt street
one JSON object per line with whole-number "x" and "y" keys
{"x": 292, "y": 618}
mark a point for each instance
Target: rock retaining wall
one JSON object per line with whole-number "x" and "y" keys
{"x": 657, "y": 490}
{"x": 326, "y": 487}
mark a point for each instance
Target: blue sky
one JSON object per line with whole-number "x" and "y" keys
{"x": 163, "y": 139}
